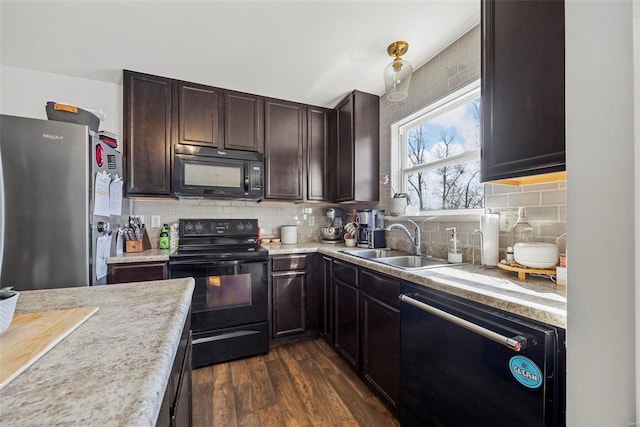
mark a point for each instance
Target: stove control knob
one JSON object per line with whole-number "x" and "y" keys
{"x": 240, "y": 227}
{"x": 249, "y": 226}
{"x": 199, "y": 227}
{"x": 188, "y": 227}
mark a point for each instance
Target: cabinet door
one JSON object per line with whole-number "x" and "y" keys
{"x": 243, "y": 121}
{"x": 283, "y": 146}
{"x": 381, "y": 347}
{"x": 137, "y": 272}
{"x": 318, "y": 154}
{"x": 199, "y": 115}
{"x": 289, "y": 311}
{"x": 346, "y": 332}
{"x": 344, "y": 159}
{"x": 523, "y": 105}
{"x": 326, "y": 298}
{"x": 147, "y": 134}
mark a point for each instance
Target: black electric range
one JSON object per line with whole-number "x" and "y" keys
{"x": 229, "y": 317}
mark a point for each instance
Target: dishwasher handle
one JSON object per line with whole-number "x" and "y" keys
{"x": 516, "y": 343}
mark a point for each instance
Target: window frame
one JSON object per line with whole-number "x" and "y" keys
{"x": 399, "y": 147}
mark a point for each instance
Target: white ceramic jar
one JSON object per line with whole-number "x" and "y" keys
{"x": 289, "y": 234}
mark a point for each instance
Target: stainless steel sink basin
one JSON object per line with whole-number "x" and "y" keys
{"x": 374, "y": 253}
{"x": 412, "y": 262}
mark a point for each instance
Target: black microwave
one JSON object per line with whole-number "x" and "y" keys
{"x": 217, "y": 173}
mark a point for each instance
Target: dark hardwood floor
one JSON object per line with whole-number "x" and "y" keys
{"x": 300, "y": 384}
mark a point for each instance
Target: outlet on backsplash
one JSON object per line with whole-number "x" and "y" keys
{"x": 507, "y": 219}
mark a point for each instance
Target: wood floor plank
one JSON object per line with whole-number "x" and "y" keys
{"x": 291, "y": 409}
{"x": 202, "y": 375}
{"x": 305, "y": 389}
{"x": 324, "y": 394}
{"x": 262, "y": 392}
{"x": 271, "y": 417}
{"x": 357, "y": 406}
{"x": 298, "y": 350}
{"x": 300, "y": 385}
{"x": 240, "y": 372}
{"x": 224, "y": 405}
{"x": 203, "y": 403}
{"x": 381, "y": 411}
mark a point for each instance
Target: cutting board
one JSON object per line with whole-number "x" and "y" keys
{"x": 31, "y": 335}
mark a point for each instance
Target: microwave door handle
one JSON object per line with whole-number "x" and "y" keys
{"x": 246, "y": 184}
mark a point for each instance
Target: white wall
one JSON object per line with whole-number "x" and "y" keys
{"x": 601, "y": 359}
{"x": 636, "y": 67}
{"x": 25, "y": 92}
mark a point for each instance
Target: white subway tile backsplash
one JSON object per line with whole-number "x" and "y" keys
{"x": 495, "y": 201}
{"x": 524, "y": 199}
{"x": 557, "y": 197}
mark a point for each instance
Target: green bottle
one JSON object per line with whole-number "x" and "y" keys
{"x": 163, "y": 241}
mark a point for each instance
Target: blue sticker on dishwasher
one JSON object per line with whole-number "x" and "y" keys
{"x": 525, "y": 371}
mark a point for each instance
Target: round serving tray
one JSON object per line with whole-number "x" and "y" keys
{"x": 523, "y": 271}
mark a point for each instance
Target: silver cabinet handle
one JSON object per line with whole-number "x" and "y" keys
{"x": 516, "y": 343}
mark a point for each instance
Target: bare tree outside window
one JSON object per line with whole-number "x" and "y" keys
{"x": 443, "y": 184}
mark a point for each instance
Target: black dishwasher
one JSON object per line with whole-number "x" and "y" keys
{"x": 467, "y": 364}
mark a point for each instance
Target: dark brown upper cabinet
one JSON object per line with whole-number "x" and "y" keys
{"x": 283, "y": 149}
{"x": 358, "y": 152}
{"x": 147, "y": 134}
{"x": 318, "y": 154}
{"x": 243, "y": 120}
{"x": 523, "y": 104}
{"x": 200, "y": 115}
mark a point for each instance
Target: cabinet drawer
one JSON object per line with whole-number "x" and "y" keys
{"x": 383, "y": 288}
{"x": 346, "y": 273}
{"x": 288, "y": 263}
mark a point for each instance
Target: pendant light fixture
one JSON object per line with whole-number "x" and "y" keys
{"x": 397, "y": 75}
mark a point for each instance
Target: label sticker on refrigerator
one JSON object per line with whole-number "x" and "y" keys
{"x": 525, "y": 371}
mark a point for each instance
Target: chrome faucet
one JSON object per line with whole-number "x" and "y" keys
{"x": 415, "y": 239}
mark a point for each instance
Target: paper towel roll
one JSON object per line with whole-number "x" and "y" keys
{"x": 490, "y": 228}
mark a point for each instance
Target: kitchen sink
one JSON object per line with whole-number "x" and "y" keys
{"x": 411, "y": 262}
{"x": 374, "y": 253}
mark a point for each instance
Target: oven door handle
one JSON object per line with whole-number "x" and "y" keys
{"x": 204, "y": 263}
{"x": 516, "y": 343}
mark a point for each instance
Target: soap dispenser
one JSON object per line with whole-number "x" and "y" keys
{"x": 455, "y": 248}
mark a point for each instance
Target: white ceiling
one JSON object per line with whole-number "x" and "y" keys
{"x": 308, "y": 51}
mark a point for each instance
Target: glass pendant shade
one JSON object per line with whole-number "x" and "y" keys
{"x": 397, "y": 77}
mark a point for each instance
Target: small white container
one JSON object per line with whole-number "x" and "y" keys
{"x": 350, "y": 242}
{"x": 289, "y": 234}
{"x": 7, "y": 308}
{"x": 536, "y": 255}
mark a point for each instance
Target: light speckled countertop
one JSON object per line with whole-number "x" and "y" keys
{"x": 536, "y": 298}
{"x": 144, "y": 256}
{"x": 113, "y": 369}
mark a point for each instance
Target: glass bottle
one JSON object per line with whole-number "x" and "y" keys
{"x": 522, "y": 231}
{"x": 163, "y": 241}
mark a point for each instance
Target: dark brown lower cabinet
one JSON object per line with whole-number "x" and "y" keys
{"x": 289, "y": 314}
{"x": 294, "y": 298}
{"x": 176, "y": 405}
{"x": 346, "y": 333}
{"x": 380, "y": 332}
{"x": 137, "y": 272}
{"x": 326, "y": 306}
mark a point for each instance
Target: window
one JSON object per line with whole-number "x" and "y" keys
{"x": 435, "y": 154}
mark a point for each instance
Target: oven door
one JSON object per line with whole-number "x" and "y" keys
{"x": 227, "y": 293}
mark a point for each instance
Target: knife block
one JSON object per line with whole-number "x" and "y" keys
{"x": 132, "y": 246}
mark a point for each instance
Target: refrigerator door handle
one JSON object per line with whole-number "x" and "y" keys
{"x": 2, "y": 225}
{"x": 516, "y": 343}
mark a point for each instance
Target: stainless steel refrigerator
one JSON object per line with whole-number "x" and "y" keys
{"x": 48, "y": 232}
